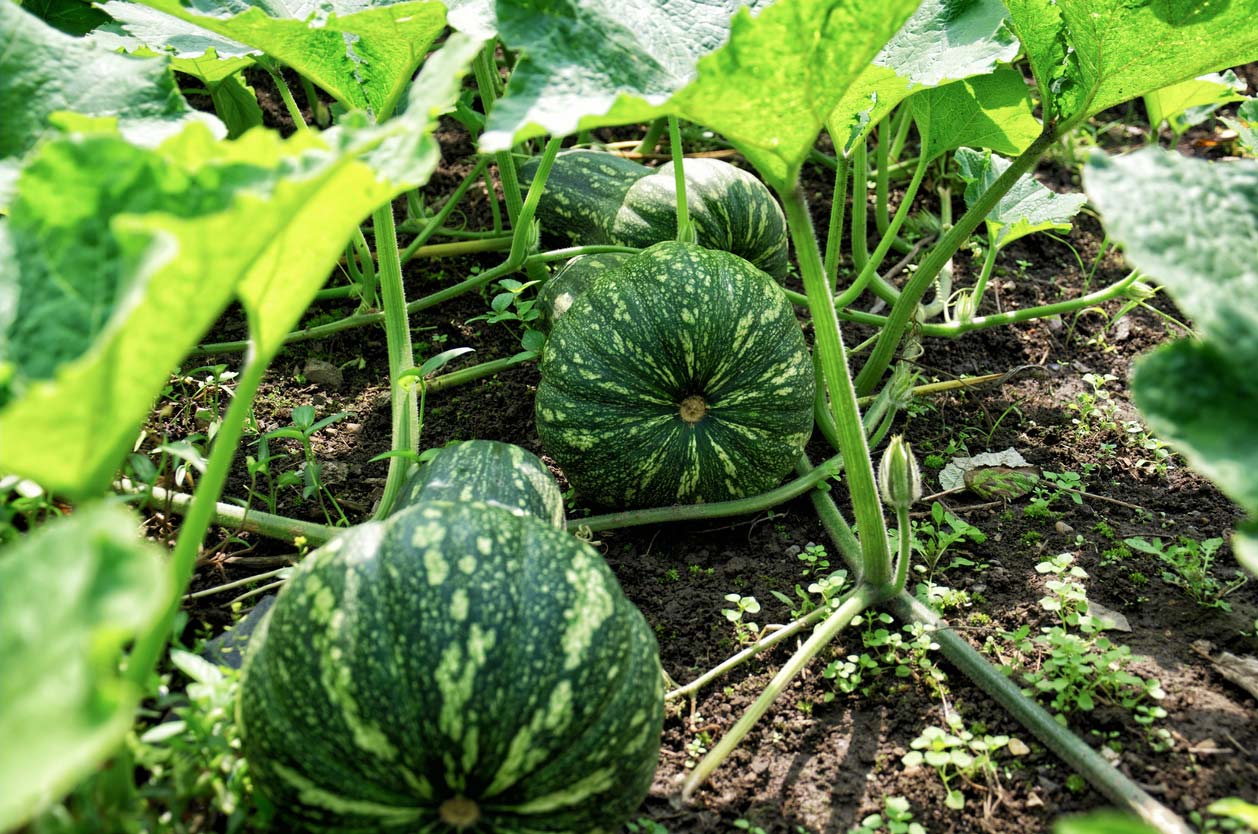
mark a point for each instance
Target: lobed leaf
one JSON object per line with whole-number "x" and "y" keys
{"x": 72, "y": 595}
{"x": 767, "y": 79}
{"x": 120, "y": 258}
{"x": 1088, "y": 55}
{"x": 1190, "y": 225}
{"x": 1027, "y": 207}
{"x": 942, "y": 42}
{"x": 362, "y": 53}
{"x": 43, "y": 71}
{"x": 1191, "y": 102}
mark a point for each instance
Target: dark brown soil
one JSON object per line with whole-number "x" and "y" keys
{"x": 821, "y": 760}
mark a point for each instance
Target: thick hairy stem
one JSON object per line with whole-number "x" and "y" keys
{"x": 685, "y": 233}
{"x": 834, "y": 235}
{"x": 911, "y": 295}
{"x": 829, "y": 344}
{"x": 853, "y": 605}
{"x": 397, "y": 332}
{"x": 200, "y": 513}
{"x": 1073, "y": 751}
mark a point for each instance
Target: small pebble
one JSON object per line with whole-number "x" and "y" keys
{"x": 324, "y": 374}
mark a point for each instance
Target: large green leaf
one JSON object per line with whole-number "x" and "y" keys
{"x": 122, "y": 258}
{"x": 74, "y": 17}
{"x": 1246, "y": 126}
{"x": 1191, "y": 225}
{"x": 1088, "y": 55}
{"x": 43, "y": 70}
{"x": 987, "y": 111}
{"x": 943, "y": 41}
{"x": 605, "y": 62}
{"x": 1026, "y": 208}
{"x": 364, "y": 57}
{"x": 72, "y": 595}
{"x": 768, "y": 89}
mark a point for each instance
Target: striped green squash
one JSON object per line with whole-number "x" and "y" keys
{"x": 453, "y": 668}
{"x": 680, "y": 377}
{"x": 599, "y": 198}
{"x": 557, "y": 294}
{"x": 497, "y": 473}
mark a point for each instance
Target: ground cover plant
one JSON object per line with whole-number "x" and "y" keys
{"x": 667, "y": 381}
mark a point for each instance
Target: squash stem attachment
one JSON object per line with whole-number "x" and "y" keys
{"x": 685, "y": 231}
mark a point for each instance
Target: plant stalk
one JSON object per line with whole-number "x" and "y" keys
{"x": 397, "y": 332}
{"x": 834, "y": 234}
{"x": 911, "y": 295}
{"x": 837, "y": 378}
{"x": 685, "y": 233}
{"x": 849, "y": 608}
{"x": 183, "y": 559}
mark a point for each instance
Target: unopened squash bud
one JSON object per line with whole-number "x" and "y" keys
{"x": 1139, "y": 291}
{"x": 898, "y": 479}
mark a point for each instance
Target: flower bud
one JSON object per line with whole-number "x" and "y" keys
{"x": 899, "y": 482}
{"x": 1139, "y": 291}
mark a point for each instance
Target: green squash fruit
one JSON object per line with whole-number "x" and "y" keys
{"x": 487, "y": 470}
{"x": 453, "y": 668}
{"x": 680, "y": 377}
{"x": 557, "y": 294}
{"x": 599, "y": 198}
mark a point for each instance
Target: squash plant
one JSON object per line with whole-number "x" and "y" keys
{"x": 139, "y": 195}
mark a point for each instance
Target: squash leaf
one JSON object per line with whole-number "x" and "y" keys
{"x": 1246, "y": 126}
{"x": 987, "y": 111}
{"x": 120, "y": 258}
{"x": 766, "y": 80}
{"x": 1189, "y": 224}
{"x": 363, "y": 56}
{"x": 1088, "y": 55}
{"x": 74, "y": 17}
{"x": 1026, "y": 208}
{"x": 72, "y": 595}
{"x": 942, "y": 42}
{"x": 43, "y": 71}
{"x": 1191, "y": 102}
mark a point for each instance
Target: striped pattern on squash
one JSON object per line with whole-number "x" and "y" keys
{"x": 453, "y": 668}
{"x": 557, "y": 294}
{"x": 680, "y": 377}
{"x": 599, "y": 198}
{"x": 497, "y": 473}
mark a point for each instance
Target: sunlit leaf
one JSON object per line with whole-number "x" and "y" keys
{"x": 72, "y": 596}
{"x": 121, "y": 258}
{"x": 74, "y": 17}
{"x": 987, "y": 111}
{"x": 43, "y": 70}
{"x": 1088, "y": 55}
{"x": 1246, "y": 126}
{"x": 942, "y": 42}
{"x": 1191, "y": 102}
{"x": 363, "y": 55}
{"x": 1190, "y": 225}
{"x": 768, "y": 89}
{"x": 1026, "y": 208}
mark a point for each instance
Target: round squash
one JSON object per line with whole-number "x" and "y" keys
{"x": 453, "y": 668}
{"x": 593, "y": 197}
{"x": 497, "y": 473}
{"x": 681, "y": 376}
{"x": 557, "y": 294}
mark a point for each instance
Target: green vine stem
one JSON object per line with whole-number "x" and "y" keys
{"x": 989, "y": 263}
{"x": 423, "y": 234}
{"x": 236, "y": 518}
{"x": 716, "y": 509}
{"x": 736, "y": 660}
{"x": 869, "y": 274}
{"x": 397, "y": 333}
{"x": 573, "y": 251}
{"x": 905, "y": 308}
{"x": 487, "y": 78}
{"x": 860, "y": 200}
{"x": 838, "y": 380}
{"x": 1073, "y": 751}
{"x": 834, "y": 234}
{"x": 286, "y": 95}
{"x": 201, "y": 509}
{"x": 848, "y": 609}
{"x": 478, "y": 371}
{"x": 652, "y": 136}
{"x": 685, "y": 232}
{"x": 882, "y": 177}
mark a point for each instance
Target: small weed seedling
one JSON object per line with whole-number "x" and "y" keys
{"x": 931, "y": 539}
{"x": 745, "y": 632}
{"x": 303, "y": 427}
{"x": 1095, "y": 410}
{"x": 956, "y": 754}
{"x": 896, "y": 818}
{"x": 1188, "y": 565}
